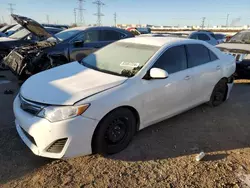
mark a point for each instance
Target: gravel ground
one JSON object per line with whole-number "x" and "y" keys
{"x": 162, "y": 155}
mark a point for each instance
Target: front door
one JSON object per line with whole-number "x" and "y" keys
{"x": 166, "y": 97}
{"x": 84, "y": 44}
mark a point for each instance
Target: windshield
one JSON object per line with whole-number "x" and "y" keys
{"x": 241, "y": 37}
{"x": 64, "y": 35}
{"x": 14, "y": 28}
{"x": 20, "y": 34}
{"x": 3, "y": 28}
{"x": 121, "y": 58}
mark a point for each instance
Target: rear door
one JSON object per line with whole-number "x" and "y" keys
{"x": 205, "y": 69}
{"x": 84, "y": 44}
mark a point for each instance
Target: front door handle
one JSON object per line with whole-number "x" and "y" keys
{"x": 187, "y": 78}
{"x": 218, "y": 67}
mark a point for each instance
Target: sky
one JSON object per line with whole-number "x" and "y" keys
{"x": 155, "y": 12}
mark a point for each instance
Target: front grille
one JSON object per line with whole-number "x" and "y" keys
{"x": 30, "y": 107}
{"x": 28, "y": 136}
{"x": 57, "y": 146}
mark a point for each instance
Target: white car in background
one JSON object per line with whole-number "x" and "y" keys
{"x": 97, "y": 105}
{"x": 203, "y": 35}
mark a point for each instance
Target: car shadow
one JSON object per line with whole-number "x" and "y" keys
{"x": 203, "y": 128}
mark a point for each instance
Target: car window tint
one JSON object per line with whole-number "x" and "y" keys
{"x": 173, "y": 60}
{"x": 204, "y": 37}
{"x": 194, "y": 36}
{"x": 213, "y": 57}
{"x": 109, "y": 35}
{"x": 197, "y": 55}
{"x": 91, "y": 36}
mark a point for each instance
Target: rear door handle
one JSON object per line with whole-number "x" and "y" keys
{"x": 218, "y": 67}
{"x": 187, "y": 78}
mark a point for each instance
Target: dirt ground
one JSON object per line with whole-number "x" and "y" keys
{"x": 162, "y": 155}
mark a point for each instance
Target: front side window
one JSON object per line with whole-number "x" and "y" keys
{"x": 173, "y": 60}
{"x": 197, "y": 55}
{"x": 120, "y": 58}
{"x": 109, "y": 35}
{"x": 194, "y": 36}
{"x": 203, "y": 37}
{"x": 91, "y": 36}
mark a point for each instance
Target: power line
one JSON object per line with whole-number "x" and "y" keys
{"x": 11, "y": 9}
{"x": 47, "y": 17}
{"x": 75, "y": 14}
{"x": 203, "y": 22}
{"x": 227, "y": 20}
{"x": 99, "y": 3}
{"x": 80, "y": 9}
{"x": 115, "y": 16}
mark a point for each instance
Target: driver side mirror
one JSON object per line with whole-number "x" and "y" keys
{"x": 78, "y": 43}
{"x": 157, "y": 73}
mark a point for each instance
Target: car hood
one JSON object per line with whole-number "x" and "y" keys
{"x": 67, "y": 84}
{"x": 31, "y": 25}
{"x": 234, "y": 47}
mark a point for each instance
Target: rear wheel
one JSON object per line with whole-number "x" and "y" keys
{"x": 219, "y": 94}
{"x": 114, "y": 132}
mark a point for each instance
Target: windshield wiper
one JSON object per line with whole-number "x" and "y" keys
{"x": 100, "y": 70}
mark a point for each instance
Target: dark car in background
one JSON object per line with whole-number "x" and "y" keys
{"x": 239, "y": 47}
{"x": 66, "y": 46}
{"x": 220, "y": 37}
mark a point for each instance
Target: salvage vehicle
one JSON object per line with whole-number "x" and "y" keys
{"x": 239, "y": 47}
{"x": 98, "y": 104}
{"x": 68, "y": 45}
{"x": 20, "y": 38}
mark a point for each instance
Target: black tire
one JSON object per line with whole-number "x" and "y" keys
{"x": 219, "y": 94}
{"x": 114, "y": 132}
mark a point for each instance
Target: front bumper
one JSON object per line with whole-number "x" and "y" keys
{"x": 77, "y": 132}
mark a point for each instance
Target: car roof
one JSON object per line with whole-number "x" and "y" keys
{"x": 155, "y": 41}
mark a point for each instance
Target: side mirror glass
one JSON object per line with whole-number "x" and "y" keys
{"x": 78, "y": 43}
{"x": 157, "y": 73}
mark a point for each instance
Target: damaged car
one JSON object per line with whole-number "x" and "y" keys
{"x": 20, "y": 38}
{"x": 66, "y": 46}
{"x": 239, "y": 47}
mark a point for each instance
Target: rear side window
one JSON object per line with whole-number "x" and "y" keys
{"x": 203, "y": 37}
{"x": 197, "y": 55}
{"x": 213, "y": 57}
{"x": 172, "y": 60}
{"x": 109, "y": 35}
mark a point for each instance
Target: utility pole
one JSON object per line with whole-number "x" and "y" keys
{"x": 227, "y": 20}
{"x": 47, "y": 17}
{"x": 99, "y": 3}
{"x": 115, "y": 16}
{"x": 203, "y": 22}
{"x": 75, "y": 15}
{"x": 11, "y": 9}
{"x": 80, "y": 9}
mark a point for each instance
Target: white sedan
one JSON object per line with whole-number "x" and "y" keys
{"x": 97, "y": 105}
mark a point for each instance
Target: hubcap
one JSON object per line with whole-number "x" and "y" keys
{"x": 116, "y": 130}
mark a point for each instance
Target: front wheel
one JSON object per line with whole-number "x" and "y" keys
{"x": 114, "y": 132}
{"x": 219, "y": 94}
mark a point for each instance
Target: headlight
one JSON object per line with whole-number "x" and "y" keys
{"x": 58, "y": 113}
